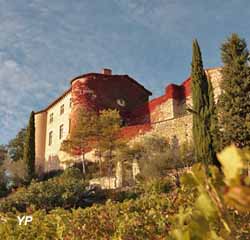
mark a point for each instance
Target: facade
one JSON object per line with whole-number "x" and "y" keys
{"x": 93, "y": 91}
{"x": 165, "y": 115}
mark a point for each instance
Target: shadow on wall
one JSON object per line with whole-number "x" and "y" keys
{"x": 53, "y": 163}
{"x": 175, "y": 142}
{"x": 140, "y": 115}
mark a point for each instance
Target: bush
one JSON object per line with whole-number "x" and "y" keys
{"x": 122, "y": 195}
{"x": 68, "y": 190}
{"x": 207, "y": 206}
{"x": 53, "y": 173}
{"x": 16, "y": 172}
{"x": 163, "y": 185}
{"x": 3, "y": 184}
{"x": 143, "y": 218}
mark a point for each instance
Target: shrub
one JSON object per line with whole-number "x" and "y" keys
{"x": 67, "y": 190}
{"x": 213, "y": 212}
{"x": 50, "y": 174}
{"x": 122, "y": 195}
{"x": 207, "y": 206}
{"x": 143, "y": 218}
{"x": 163, "y": 185}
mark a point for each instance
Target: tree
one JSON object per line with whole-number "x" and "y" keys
{"x": 29, "y": 148}
{"x": 108, "y": 140}
{"x": 3, "y": 153}
{"x": 234, "y": 102}
{"x": 214, "y": 126}
{"x": 16, "y": 145}
{"x": 93, "y": 131}
{"x": 3, "y": 182}
{"x": 202, "y": 112}
{"x": 82, "y": 135}
{"x": 150, "y": 157}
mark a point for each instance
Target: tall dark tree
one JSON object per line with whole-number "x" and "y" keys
{"x": 3, "y": 182}
{"x": 3, "y": 153}
{"x": 29, "y": 148}
{"x": 16, "y": 145}
{"x": 213, "y": 116}
{"x": 202, "y": 115}
{"x": 234, "y": 102}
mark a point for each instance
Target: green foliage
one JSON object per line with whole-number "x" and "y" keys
{"x": 185, "y": 155}
{"x": 202, "y": 112}
{"x": 82, "y": 133}
{"x": 153, "y": 154}
{"x": 67, "y": 190}
{"x": 207, "y": 206}
{"x": 3, "y": 184}
{"x": 234, "y": 102}
{"x": 29, "y": 148}
{"x": 160, "y": 185}
{"x": 144, "y": 188}
{"x": 234, "y": 161}
{"x": 95, "y": 131}
{"x": 110, "y": 221}
{"x": 3, "y": 153}
{"x": 213, "y": 117}
{"x": 16, "y": 145}
{"x": 108, "y": 141}
{"x": 120, "y": 196}
{"x": 82, "y": 136}
{"x": 208, "y": 215}
{"x": 16, "y": 172}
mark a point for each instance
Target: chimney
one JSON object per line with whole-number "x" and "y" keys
{"x": 106, "y": 71}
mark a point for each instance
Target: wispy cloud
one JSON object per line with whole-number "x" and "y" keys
{"x": 44, "y": 43}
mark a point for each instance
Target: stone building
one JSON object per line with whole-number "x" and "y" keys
{"x": 96, "y": 91}
{"x": 165, "y": 115}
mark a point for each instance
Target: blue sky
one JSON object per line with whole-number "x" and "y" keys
{"x": 45, "y": 43}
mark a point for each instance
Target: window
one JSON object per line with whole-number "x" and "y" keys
{"x": 61, "y": 132}
{"x": 121, "y": 102}
{"x": 62, "y": 109}
{"x": 70, "y": 102}
{"x": 51, "y": 118}
{"x": 50, "y": 137}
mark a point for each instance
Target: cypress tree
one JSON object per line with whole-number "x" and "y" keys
{"x": 202, "y": 98}
{"x": 29, "y": 148}
{"x": 234, "y": 102}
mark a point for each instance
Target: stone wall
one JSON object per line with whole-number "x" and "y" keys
{"x": 165, "y": 115}
{"x": 215, "y": 76}
{"x": 176, "y": 129}
{"x": 170, "y": 118}
{"x": 163, "y": 111}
